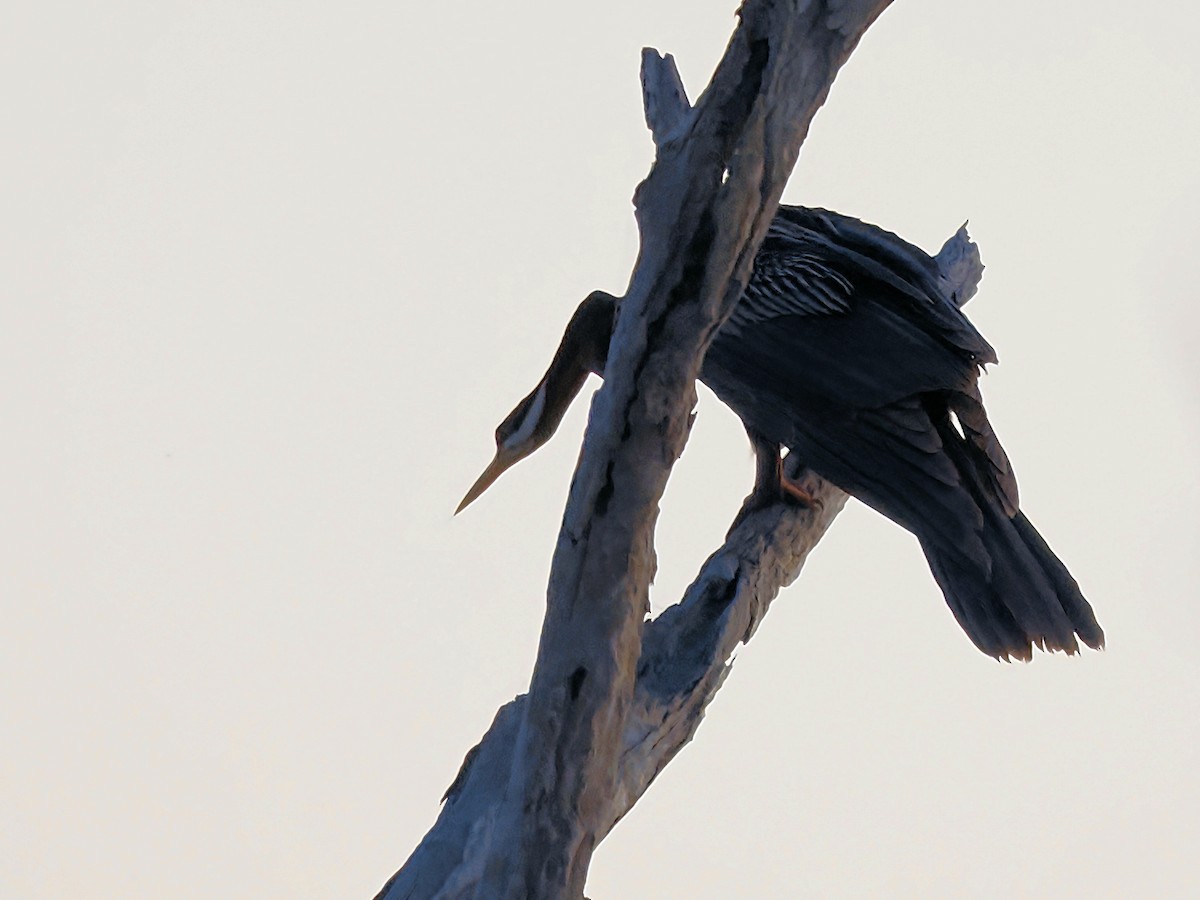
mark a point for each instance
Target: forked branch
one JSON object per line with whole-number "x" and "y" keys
{"x": 612, "y": 699}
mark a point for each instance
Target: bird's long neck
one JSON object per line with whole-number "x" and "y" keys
{"x": 583, "y": 349}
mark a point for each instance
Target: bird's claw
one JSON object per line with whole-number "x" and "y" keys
{"x": 795, "y": 492}
{"x": 788, "y": 492}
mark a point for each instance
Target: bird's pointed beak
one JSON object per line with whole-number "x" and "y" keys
{"x": 497, "y": 467}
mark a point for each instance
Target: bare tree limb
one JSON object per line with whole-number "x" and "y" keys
{"x": 558, "y": 769}
{"x": 684, "y": 661}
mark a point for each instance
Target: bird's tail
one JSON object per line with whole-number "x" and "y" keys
{"x": 1023, "y": 596}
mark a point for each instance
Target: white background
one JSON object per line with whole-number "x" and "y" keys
{"x": 271, "y": 273}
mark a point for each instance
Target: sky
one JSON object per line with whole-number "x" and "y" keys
{"x": 271, "y": 274}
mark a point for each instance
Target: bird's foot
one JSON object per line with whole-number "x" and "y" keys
{"x": 795, "y": 492}
{"x": 763, "y": 496}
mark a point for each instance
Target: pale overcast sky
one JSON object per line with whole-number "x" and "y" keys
{"x": 270, "y": 275}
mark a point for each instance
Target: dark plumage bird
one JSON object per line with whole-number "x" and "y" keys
{"x": 848, "y": 347}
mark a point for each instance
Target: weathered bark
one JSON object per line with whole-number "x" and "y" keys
{"x": 609, "y": 706}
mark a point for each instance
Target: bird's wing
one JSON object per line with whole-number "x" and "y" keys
{"x": 867, "y": 357}
{"x": 793, "y": 280}
{"x": 819, "y": 263}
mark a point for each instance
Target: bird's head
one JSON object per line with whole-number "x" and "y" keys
{"x": 584, "y": 349}
{"x": 522, "y": 432}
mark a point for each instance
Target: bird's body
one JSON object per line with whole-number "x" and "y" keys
{"x": 849, "y": 348}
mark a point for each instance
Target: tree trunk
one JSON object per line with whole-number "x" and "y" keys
{"x": 612, "y": 699}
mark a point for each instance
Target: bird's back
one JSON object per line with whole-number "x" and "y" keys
{"x": 840, "y": 315}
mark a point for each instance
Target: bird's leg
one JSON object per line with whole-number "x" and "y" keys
{"x": 793, "y": 490}
{"x": 768, "y": 468}
{"x": 771, "y": 485}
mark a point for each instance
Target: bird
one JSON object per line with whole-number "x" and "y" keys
{"x": 848, "y": 347}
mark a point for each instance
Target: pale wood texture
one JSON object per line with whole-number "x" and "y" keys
{"x": 561, "y": 765}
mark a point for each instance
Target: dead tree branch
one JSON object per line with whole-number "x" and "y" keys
{"x": 612, "y": 700}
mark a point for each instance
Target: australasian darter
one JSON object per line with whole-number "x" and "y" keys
{"x": 849, "y": 349}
